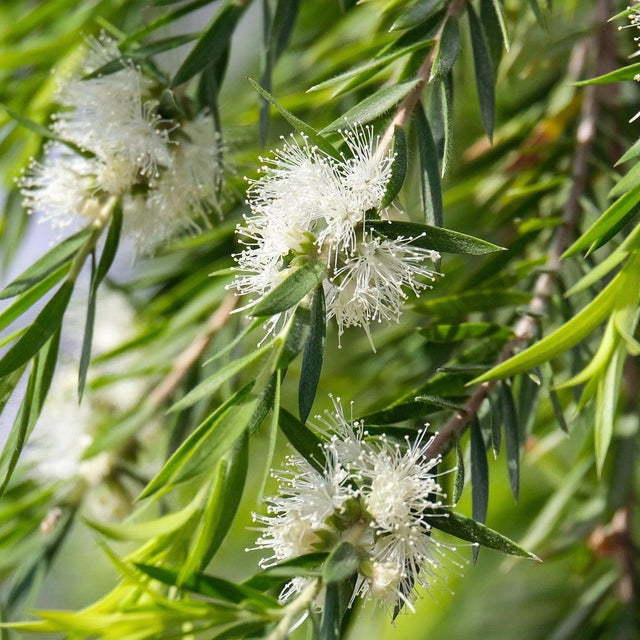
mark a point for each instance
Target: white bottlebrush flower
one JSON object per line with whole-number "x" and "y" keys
{"x": 308, "y": 203}
{"x": 371, "y": 285}
{"x": 55, "y": 450}
{"x": 60, "y": 187}
{"x": 167, "y": 174}
{"x": 376, "y": 494}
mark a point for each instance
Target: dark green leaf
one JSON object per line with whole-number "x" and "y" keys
{"x": 484, "y": 70}
{"x": 37, "y": 335}
{"x": 429, "y": 171}
{"x": 447, "y": 51}
{"x": 462, "y": 304}
{"x": 306, "y": 443}
{"x": 46, "y": 265}
{"x": 512, "y": 437}
{"x": 449, "y": 333}
{"x": 479, "y": 476}
{"x": 296, "y": 337}
{"x": 342, "y": 563}
{"x": 418, "y": 407}
{"x": 301, "y": 127}
{"x": 467, "y": 529}
{"x": 25, "y": 301}
{"x": 97, "y": 276}
{"x": 291, "y": 290}
{"x": 415, "y": 14}
{"x": 213, "y": 43}
{"x": 495, "y": 417}
{"x": 313, "y": 355}
{"x": 436, "y": 238}
{"x": 398, "y": 168}
{"x": 372, "y": 107}
{"x": 458, "y": 484}
{"x": 302, "y": 566}
{"x": 331, "y": 614}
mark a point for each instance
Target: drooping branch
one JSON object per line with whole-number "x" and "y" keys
{"x": 602, "y": 44}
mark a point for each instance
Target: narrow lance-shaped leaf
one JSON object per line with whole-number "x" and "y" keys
{"x": 213, "y": 43}
{"x": 458, "y": 483}
{"x": 341, "y": 564}
{"x": 472, "y": 531}
{"x": 372, "y": 107}
{"x": 512, "y": 437}
{"x": 398, "y": 168}
{"x": 36, "y": 336}
{"x": 436, "y": 238}
{"x": 415, "y": 14}
{"x": 313, "y": 355}
{"x": 291, "y": 290}
{"x": 97, "y": 276}
{"x": 300, "y": 126}
{"x": 484, "y": 70}
{"x": 625, "y": 73}
{"x": 479, "y": 476}
{"x": 306, "y": 443}
{"x": 563, "y": 338}
{"x": 447, "y": 51}
{"x": 46, "y": 265}
{"x": 297, "y": 334}
{"x": 429, "y": 171}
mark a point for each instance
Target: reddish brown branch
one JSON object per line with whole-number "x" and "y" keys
{"x": 524, "y": 330}
{"x": 192, "y": 353}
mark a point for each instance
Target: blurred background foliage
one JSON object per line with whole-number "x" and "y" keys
{"x": 513, "y": 192}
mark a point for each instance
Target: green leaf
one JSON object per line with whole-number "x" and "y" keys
{"x": 512, "y": 437}
{"x": 625, "y": 73}
{"x": 415, "y": 14}
{"x": 305, "y": 566}
{"x": 46, "y": 265}
{"x": 449, "y": 333}
{"x": 221, "y": 507}
{"x": 291, "y": 290}
{"x": 42, "y": 131}
{"x": 462, "y": 304}
{"x": 608, "y": 395}
{"x": 398, "y": 168}
{"x": 342, "y": 563}
{"x": 467, "y": 529}
{"x": 213, "y": 43}
{"x": 458, "y": 483}
{"x": 562, "y": 339}
{"x": 429, "y": 170}
{"x": 25, "y": 301}
{"x": 495, "y": 419}
{"x": 372, "y": 107}
{"x": 306, "y": 443}
{"x": 628, "y": 182}
{"x": 498, "y": 10}
{"x": 211, "y": 384}
{"x": 38, "y": 334}
{"x": 301, "y": 127}
{"x": 610, "y": 219}
{"x": 331, "y": 614}
{"x": 37, "y": 389}
{"x": 447, "y": 50}
{"x": 479, "y": 473}
{"x": 313, "y": 355}
{"x": 436, "y": 238}
{"x": 298, "y": 332}
{"x": 144, "y": 531}
{"x": 418, "y": 407}
{"x": 369, "y": 68}
{"x": 97, "y": 276}
{"x": 207, "y": 444}
{"x": 484, "y": 70}
{"x": 631, "y": 154}
{"x": 208, "y": 586}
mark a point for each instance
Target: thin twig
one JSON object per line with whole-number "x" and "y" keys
{"x": 525, "y": 328}
{"x": 190, "y": 355}
{"x": 423, "y": 76}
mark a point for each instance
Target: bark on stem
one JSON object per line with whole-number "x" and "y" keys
{"x": 585, "y": 135}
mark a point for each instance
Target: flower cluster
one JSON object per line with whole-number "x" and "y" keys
{"x": 373, "y": 493}
{"x": 112, "y": 140}
{"x": 308, "y": 205}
